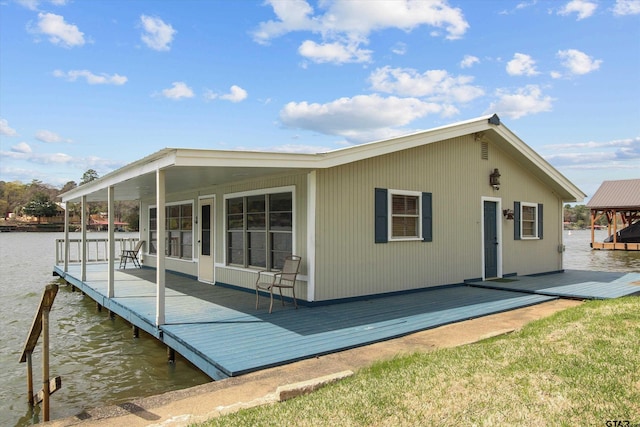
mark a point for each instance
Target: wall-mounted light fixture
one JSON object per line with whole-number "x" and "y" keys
{"x": 508, "y": 213}
{"x": 494, "y": 179}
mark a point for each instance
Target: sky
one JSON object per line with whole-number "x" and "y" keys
{"x": 99, "y": 84}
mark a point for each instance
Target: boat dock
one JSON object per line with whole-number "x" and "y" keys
{"x": 219, "y": 330}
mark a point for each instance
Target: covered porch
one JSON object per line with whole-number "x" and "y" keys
{"x": 219, "y": 330}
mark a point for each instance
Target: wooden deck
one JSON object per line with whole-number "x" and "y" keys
{"x": 219, "y": 330}
{"x": 571, "y": 284}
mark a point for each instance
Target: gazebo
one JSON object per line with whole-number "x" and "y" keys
{"x": 620, "y": 202}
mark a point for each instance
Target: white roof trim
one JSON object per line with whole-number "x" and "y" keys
{"x": 170, "y": 157}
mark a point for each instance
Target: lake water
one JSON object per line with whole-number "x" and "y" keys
{"x": 98, "y": 359}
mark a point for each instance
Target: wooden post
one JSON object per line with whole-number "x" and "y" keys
{"x": 593, "y": 226}
{"x": 136, "y": 331}
{"x": 171, "y": 355}
{"x": 29, "y": 379}
{"x": 45, "y": 364}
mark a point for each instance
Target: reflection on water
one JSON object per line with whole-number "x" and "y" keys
{"x": 580, "y": 256}
{"x": 99, "y": 360}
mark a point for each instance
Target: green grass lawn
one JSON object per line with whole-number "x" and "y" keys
{"x": 578, "y": 367}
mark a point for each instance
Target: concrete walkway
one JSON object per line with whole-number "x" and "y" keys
{"x": 197, "y": 404}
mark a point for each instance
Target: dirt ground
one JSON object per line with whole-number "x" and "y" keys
{"x": 196, "y": 404}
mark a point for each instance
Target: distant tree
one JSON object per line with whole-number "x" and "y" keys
{"x": 40, "y": 206}
{"x": 68, "y": 186}
{"x": 88, "y": 176}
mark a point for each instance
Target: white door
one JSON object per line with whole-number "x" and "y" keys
{"x": 206, "y": 240}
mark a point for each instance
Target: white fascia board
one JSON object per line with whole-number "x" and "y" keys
{"x": 576, "y": 195}
{"x": 213, "y": 158}
{"x": 159, "y": 160}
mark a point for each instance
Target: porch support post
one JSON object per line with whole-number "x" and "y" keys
{"x": 83, "y": 243}
{"x": 161, "y": 245}
{"x": 66, "y": 237}
{"x": 112, "y": 244}
{"x": 311, "y": 236}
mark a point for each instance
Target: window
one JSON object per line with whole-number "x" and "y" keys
{"x": 402, "y": 215}
{"x": 405, "y": 216}
{"x": 259, "y": 229}
{"x": 527, "y": 221}
{"x": 529, "y": 215}
{"x": 178, "y": 231}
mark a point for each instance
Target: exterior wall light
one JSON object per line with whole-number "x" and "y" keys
{"x": 508, "y": 213}
{"x": 494, "y": 179}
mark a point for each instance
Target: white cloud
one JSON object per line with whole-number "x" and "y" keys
{"x": 236, "y": 94}
{"x": 335, "y": 52}
{"x": 50, "y": 137}
{"x": 399, "y": 48}
{"x": 583, "y": 8}
{"x": 436, "y": 85}
{"x": 523, "y": 102}
{"x": 577, "y": 62}
{"x": 5, "y": 129}
{"x": 22, "y": 147}
{"x": 626, "y": 7}
{"x": 596, "y": 154}
{"x": 360, "y": 118}
{"x": 92, "y": 79}
{"x": 522, "y": 65}
{"x": 469, "y": 61}
{"x": 33, "y": 4}
{"x": 344, "y": 25}
{"x": 178, "y": 91}
{"x": 59, "y": 32}
{"x": 157, "y": 35}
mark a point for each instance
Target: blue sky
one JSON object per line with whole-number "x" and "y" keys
{"x": 99, "y": 84}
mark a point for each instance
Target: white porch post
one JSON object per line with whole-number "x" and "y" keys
{"x": 112, "y": 245}
{"x": 66, "y": 237}
{"x": 161, "y": 245}
{"x": 83, "y": 243}
{"x": 311, "y": 236}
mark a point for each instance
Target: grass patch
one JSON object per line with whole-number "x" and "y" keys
{"x": 580, "y": 366}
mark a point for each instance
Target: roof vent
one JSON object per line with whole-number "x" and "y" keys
{"x": 484, "y": 150}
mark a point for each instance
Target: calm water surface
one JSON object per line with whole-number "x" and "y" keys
{"x": 98, "y": 359}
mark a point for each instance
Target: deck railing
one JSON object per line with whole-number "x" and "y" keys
{"x": 97, "y": 249}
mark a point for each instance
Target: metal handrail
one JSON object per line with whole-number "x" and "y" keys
{"x": 97, "y": 249}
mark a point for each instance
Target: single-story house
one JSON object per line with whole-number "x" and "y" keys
{"x": 465, "y": 201}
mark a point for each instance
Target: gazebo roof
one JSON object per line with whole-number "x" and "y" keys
{"x": 623, "y": 194}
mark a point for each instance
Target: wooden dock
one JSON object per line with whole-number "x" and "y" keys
{"x": 571, "y": 284}
{"x": 219, "y": 330}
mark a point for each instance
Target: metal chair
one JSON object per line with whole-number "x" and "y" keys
{"x": 131, "y": 254}
{"x": 286, "y": 278}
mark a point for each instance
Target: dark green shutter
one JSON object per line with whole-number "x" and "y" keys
{"x": 540, "y": 227}
{"x": 427, "y": 220}
{"x": 381, "y": 215}
{"x": 516, "y": 220}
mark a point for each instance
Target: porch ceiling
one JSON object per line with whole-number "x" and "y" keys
{"x": 182, "y": 178}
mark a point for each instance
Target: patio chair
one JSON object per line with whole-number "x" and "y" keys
{"x": 281, "y": 279}
{"x": 131, "y": 254}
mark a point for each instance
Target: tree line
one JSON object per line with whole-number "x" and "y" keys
{"x": 19, "y": 202}
{"x": 579, "y": 216}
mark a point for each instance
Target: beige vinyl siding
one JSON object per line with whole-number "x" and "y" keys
{"x": 246, "y": 277}
{"x": 348, "y": 261}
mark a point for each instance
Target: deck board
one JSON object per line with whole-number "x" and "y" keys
{"x": 572, "y": 284}
{"x": 219, "y": 330}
